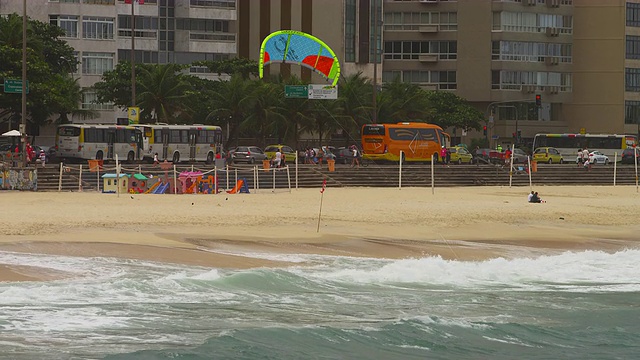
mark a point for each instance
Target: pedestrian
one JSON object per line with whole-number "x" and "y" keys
{"x": 585, "y": 154}
{"x": 507, "y": 156}
{"x": 580, "y": 158}
{"x": 283, "y": 160}
{"x": 354, "y": 152}
{"x": 155, "y": 159}
{"x": 277, "y": 158}
{"x": 448, "y": 155}
{"x": 443, "y": 155}
{"x": 43, "y": 158}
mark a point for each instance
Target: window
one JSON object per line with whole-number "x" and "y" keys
{"x": 202, "y": 25}
{"x": 68, "y": 23}
{"x": 394, "y": 21}
{"x": 633, "y": 14}
{"x": 632, "y": 79}
{"x": 96, "y": 63}
{"x": 531, "y": 22}
{"x": 350, "y": 31}
{"x": 632, "y": 112}
{"x": 633, "y": 47}
{"x": 90, "y": 101}
{"x": 228, "y": 4}
{"x": 530, "y": 51}
{"x": 411, "y": 50}
{"x": 99, "y": 28}
{"x": 514, "y": 80}
{"x": 445, "y": 80}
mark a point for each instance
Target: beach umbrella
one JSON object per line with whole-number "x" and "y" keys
{"x": 12, "y": 133}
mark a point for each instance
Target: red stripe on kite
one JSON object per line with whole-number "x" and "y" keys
{"x": 323, "y": 64}
{"x": 266, "y": 57}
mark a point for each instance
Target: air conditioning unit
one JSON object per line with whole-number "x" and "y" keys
{"x": 429, "y": 1}
{"x": 529, "y": 2}
{"x": 552, "y": 31}
{"x": 428, "y": 58}
{"x": 528, "y": 89}
{"x": 552, "y": 89}
{"x": 553, "y": 3}
{"x": 552, "y": 60}
{"x": 425, "y": 29}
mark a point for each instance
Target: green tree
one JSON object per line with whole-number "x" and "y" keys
{"x": 266, "y": 112}
{"x": 52, "y": 90}
{"x": 231, "y": 103}
{"x": 450, "y": 110}
{"x": 244, "y": 67}
{"x": 163, "y": 90}
{"x": 400, "y": 101}
{"x": 355, "y": 98}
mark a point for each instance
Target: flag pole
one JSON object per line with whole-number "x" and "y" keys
{"x": 324, "y": 185}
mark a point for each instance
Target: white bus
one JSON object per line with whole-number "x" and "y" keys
{"x": 181, "y": 142}
{"x": 99, "y": 142}
{"x": 568, "y": 144}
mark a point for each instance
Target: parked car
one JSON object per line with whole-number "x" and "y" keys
{"x": 248, "y": 154}
{"x": 547, "y": 155}
{"x": 287, "y": 151}
{"x": 460, "y": 155}
{"x": 487, "y": 155}
{"x": 628, "y": 154}
{"x": 343, "y": 155}
{"x": 596, "y": 157}
{"x": 519, "y": 156}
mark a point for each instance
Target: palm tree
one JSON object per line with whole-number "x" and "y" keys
{"x": 266, "y": 112}
{"x": 354, "y": 97}
{"x": 163, "y": 91}
{"x": 400, "y": 101}
{"x": 232, "y": 101}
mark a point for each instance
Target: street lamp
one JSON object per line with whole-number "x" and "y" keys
{"x": 516, "y": 109}
{"x": 23, "y": 125}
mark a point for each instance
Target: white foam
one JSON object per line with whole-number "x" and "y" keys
{"x": 570, "y": 271}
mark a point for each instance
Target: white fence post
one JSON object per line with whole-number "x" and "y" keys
{"x": 400, "y": 172}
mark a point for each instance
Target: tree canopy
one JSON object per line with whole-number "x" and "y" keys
{"x": 50, "y": 62}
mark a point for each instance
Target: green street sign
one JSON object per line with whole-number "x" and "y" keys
{"x": 14, "y": 86}
{"x": 296, "y": 91}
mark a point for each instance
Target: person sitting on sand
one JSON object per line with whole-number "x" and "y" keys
{"x": 530, "y": 197}
{"x": 536, "y": 198}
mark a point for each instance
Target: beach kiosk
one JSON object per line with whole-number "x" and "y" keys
{"x": 110, "y": 185}
{"x": 138, "y": 184}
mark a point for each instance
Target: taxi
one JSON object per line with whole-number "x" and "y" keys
{"x": 548, "y": 155}
{"x": 460, "y": 155}
{"x": 287, "y": 151}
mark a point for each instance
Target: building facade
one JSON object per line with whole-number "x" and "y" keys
{"x": 166, "y": 31}
{"x": 582, "y": 57}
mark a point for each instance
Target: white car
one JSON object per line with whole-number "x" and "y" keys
{"x": 596, "y": 157}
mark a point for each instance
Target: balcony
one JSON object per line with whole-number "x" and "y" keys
{"x": 529, "y": 89}
{"x": 429, "y": 1}
{"x": 529, "y": 2}
{"x": 552, "y": 89}
{"x": 553, "y": 3}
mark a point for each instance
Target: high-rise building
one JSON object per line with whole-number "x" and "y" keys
{"x": 166, "y": 31}
{"x": 581, "y": 58}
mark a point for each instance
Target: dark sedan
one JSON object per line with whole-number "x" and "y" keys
{"x": 628, "y": 154}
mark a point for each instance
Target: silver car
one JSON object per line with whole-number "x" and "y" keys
{"x": 248, "y": 154}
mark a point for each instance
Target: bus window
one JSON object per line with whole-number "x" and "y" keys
{"x": 202, "y": 137}
{"x": 174, "y": 136}
{"x": 68, "y": 131}
{"x": 373, "y": 130}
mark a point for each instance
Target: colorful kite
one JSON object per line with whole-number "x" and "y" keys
{"x": 295, "y": 47}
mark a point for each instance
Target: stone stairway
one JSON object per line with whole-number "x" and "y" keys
{"x": 310, "y": 176}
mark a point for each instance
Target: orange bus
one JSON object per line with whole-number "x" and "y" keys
{"x": 418, "y": 141}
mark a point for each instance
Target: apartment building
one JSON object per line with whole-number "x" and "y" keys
{"x": 166, "y": 31}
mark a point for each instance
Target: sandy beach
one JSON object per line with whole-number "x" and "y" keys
{"x": 223, "y": 230}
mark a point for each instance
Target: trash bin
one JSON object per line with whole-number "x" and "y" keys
{"x": 266, "y": 164}
{"x": 332, "y": 165}
{"x": 95, "y": 165}
{"x": 534, "y": 166}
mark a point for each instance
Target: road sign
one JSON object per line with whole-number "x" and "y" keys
{"x": 495, "y": 137}
{"x": 296, "y": 91}
{"x": 14, "y": 86}
{"x": 323, "y": 92}
{"x": 133, "y": 113}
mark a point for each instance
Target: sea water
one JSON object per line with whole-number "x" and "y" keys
{"x": 575, "y": 305}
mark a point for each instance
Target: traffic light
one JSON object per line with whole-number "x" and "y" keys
{"x": 484, "y": 130}
{"x": 538, "y": 100}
